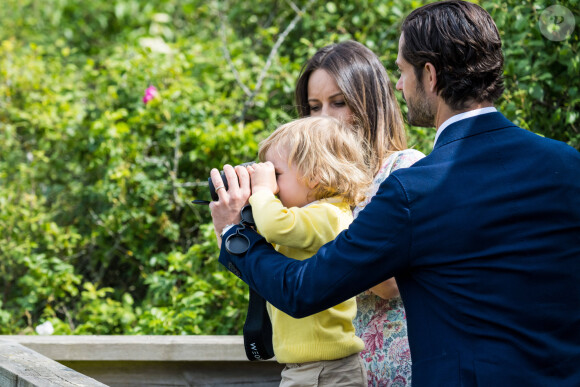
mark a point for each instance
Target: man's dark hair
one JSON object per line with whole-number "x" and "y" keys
{"x": 462, "y": 42}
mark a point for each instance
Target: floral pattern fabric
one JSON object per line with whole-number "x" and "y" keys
{"x": 380, "y": 323}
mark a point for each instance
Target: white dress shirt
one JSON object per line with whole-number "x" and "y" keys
{"x": 462, "y": 116}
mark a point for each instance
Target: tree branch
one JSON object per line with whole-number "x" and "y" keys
{"x": 173, "y": 173}
{"x": 293, "y": 6}
{"x": 250, "y": 101}
{"x": 226, "y": 52}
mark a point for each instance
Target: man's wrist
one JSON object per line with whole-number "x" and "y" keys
{"x": 226, "y": 229}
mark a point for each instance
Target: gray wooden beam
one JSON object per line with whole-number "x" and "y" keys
{"x": 136, "y": 348}
{"x": 22, "y": 367}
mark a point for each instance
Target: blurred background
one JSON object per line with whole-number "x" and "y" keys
{"x": 113, "y": 112}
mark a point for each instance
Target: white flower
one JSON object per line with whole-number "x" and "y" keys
{"x": 161, "y": 18}
{"x": 45, "y": 328}
{"x": 156, "y": 44}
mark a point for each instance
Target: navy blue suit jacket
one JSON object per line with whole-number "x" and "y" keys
{"x": 483, "y": 237}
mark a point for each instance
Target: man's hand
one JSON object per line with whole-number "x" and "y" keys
{"x": 263, "y": 177}
{"x": 226, "y": 210}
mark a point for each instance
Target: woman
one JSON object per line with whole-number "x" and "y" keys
{"x": 347, "y": 81}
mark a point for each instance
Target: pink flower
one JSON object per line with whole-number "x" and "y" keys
{"x": 150, "y": 94}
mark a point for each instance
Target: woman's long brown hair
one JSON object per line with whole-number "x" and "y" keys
{"x": 368, "y": 92}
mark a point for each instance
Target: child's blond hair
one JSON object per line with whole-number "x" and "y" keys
{"x": 326, "y": 153}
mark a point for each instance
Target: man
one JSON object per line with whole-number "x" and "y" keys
{"x": 482, "y": 235}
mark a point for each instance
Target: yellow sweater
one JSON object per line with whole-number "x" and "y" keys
{"x": 298, "y": 233}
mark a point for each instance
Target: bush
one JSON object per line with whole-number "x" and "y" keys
{"x": 541, "y": 75}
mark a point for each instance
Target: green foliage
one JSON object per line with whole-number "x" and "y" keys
{"x": 186, "y": 299}
{"x": 98, "y": 214}
{"x": 97, "y": 233}
{"x": 541, "y": 75}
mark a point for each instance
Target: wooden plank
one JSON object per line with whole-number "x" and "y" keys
{"x": 136, "y": 348}
{"x": 182, "y": 374}
{"x": 22, "y": 367}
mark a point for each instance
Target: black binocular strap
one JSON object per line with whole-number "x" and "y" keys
{"x": 258, "y": 330}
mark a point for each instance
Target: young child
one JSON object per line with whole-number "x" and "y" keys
{"x": 316, "y": 168}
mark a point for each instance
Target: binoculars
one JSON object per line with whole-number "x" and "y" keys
{"x": 212, "y": 191}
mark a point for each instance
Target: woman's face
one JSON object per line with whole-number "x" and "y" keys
{"x": 326, "y": 99}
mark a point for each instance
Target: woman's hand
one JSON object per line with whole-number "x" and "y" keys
{"x": 263, "y": 177}
{"x": 386, "y": 290}
{"x": 226, "y": 210}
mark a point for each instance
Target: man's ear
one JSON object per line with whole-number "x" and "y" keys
{"x": 430, "y": 76}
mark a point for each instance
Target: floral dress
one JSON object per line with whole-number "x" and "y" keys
{"x": 380, "y": 323}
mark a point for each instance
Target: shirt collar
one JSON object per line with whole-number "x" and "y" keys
{"x": 462, "y": 116}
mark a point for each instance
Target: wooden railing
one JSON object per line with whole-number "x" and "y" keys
{"x": 23, "y": 367}
{"x": 148, "y": 361}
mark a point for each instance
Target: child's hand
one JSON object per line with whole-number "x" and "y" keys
{"x": 263, "y": 177}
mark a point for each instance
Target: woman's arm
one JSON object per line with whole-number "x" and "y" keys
{"x": 386, "y": 290}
